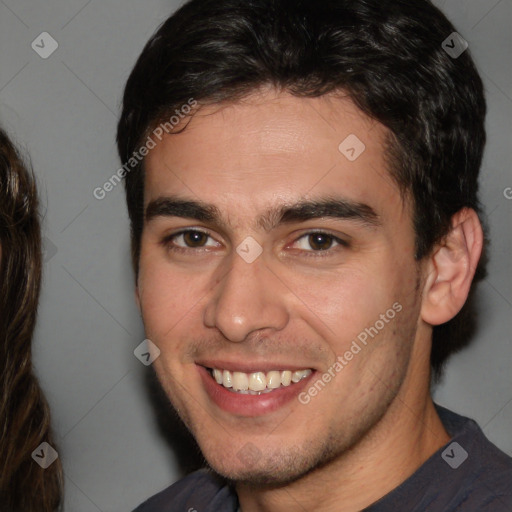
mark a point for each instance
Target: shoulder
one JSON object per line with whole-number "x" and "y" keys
{"x": 201, "y": 490}
{"x": 467, "y": 474}
{"x": 484, "y": 475}
{"x": 490, "y": 482}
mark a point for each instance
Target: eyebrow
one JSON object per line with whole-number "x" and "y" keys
{"x": 301, "y": 211}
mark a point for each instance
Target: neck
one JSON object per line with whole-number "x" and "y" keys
{"x": 408, "y": 434}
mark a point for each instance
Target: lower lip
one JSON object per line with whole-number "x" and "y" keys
{"x": 250, "y": 405}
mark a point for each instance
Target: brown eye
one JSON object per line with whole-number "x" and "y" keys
{"x": 195, "y": 238}
{"x": 189, "y": 239}
{"x": 320, "y": 241}
{"x": 316, "y": 242}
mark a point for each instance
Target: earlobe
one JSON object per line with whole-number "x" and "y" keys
{"x": 451, "y": 268}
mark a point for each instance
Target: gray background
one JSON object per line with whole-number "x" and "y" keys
{"x": 63, "y": 112}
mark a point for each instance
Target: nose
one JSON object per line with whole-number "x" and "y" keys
{"x": 248, "y": 298}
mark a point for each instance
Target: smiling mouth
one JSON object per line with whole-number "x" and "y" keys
{"x": 257, "y": 383}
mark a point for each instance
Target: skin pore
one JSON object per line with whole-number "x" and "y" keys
{"x": 319, "y": 282}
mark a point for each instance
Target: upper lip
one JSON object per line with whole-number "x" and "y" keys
{"x": 250, "y": 367}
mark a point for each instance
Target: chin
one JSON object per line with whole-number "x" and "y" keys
{"x": 272, "y": 469}
{"x": 259, "y": 477}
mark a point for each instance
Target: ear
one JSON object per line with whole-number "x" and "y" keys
{"x": 451, "y": 268}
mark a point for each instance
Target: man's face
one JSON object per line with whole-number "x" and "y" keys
{"x": 324, "y": 279}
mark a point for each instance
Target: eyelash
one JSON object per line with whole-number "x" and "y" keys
{"x": 167, "y": 242}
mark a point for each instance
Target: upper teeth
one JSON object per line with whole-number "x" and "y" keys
{"x": 258, "y": 381}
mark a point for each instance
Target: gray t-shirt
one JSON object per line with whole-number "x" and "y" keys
{"x": 468, "y": 474}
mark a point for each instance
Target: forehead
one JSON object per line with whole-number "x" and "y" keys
{"x": 274, "y": 147}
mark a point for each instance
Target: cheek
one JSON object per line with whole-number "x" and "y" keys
{"x": 165, "y": 297}
{"x": 366, "y": 314}
{"x": 344, "y": 302}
